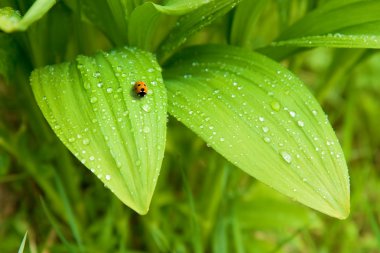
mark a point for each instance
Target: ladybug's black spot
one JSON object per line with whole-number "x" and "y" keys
{"x": 141, "y": 93}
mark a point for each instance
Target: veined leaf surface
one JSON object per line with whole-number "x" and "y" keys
{"x": 261, "y": 118}
{"x": 92, "y": 107}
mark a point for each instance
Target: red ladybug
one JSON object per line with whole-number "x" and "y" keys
{"x": 141, "y": 89}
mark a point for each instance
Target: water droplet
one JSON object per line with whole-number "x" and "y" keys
{"x": 286, "y": 156}
{"x": 93, "y": 100}
{"x": 275, "y": 106}
{"x": 100, "y": 85}
{"x": 267, "y": 139}
{"x": 301, "y": 123}
{"x": 314, "y": 112}
{"x": 221, "y": 139}
{"x": 265, "y": 129}
{"x": 86, "y": 141}
{"x": 261, "y": 119}
{"x": 146, "y": 107}
{"x": 292, "y": 114}
{"x": 92, "y": 158}
{"x": 72, "y": 139}
{"x": 108, "y": 177}
{"x": 109, "y": 90}
{"x": 146, "y": 129}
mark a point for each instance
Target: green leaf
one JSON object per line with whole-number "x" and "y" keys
{"x": 8, "y": 56}
{"x": 334, "y": 19}
{"x": 261, "y": 118}
{"x": 329, "y": 26}
{"x": 263, "y": 209}
{"x": 150, "y": 23}
{"x": 11, "y": 20}
{"x": 245, "y": 18}
{"x": 111, "y": 17}
{"x": 22, "y": 245}
{"x": 339, "y": 40}
{"x": 92, "y": 107}
{"x": 144, "y": 24}
{"x": 180, "y": 7}
{"x": 192, "y": 22}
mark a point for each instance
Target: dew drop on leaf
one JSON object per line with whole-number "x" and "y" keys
{"x": 146, "y": 107}
{"x": 275, "y": 106}
{"x": 146, "y": 129}
{"x": 286, "y": 156}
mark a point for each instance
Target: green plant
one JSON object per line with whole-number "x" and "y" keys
{"x": 207, "y": 64}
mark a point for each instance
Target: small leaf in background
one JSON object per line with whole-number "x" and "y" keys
{"x": 329, "y": 26}
{"x": 246, "y": 15}
{"x": 180, "y": 7}
{"x": 11, "y": 20}
{"x": 261, "y": 118}
{"x": 111, "y": 17}
{"x": 192, "y": 22}
{"x": 22, "y": 245}
{"x": 149, "y": 23}
{"x": 8, "y": 56}
{"x": 93, "y": 108}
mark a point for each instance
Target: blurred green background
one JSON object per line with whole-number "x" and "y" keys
{"x": 202, "y": 203}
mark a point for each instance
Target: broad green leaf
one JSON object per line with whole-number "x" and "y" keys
{"x": 92, "y": 107}
{"x": 245, "y": 18}
{"x": 261, "y": 118}
{"x": 11, "y": 20}
{"x": 192, "y": 22}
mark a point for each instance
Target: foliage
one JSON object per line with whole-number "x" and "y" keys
{"x": 82, "y": 59}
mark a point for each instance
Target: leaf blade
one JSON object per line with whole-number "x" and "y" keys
{"x": 91, "y": 106}
{"x": 261, "y": 118}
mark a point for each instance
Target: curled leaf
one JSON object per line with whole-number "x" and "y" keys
{"x": 261, "y": 118}
{"x": 92, "y": 106}
{"x": 11, "y": 20}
